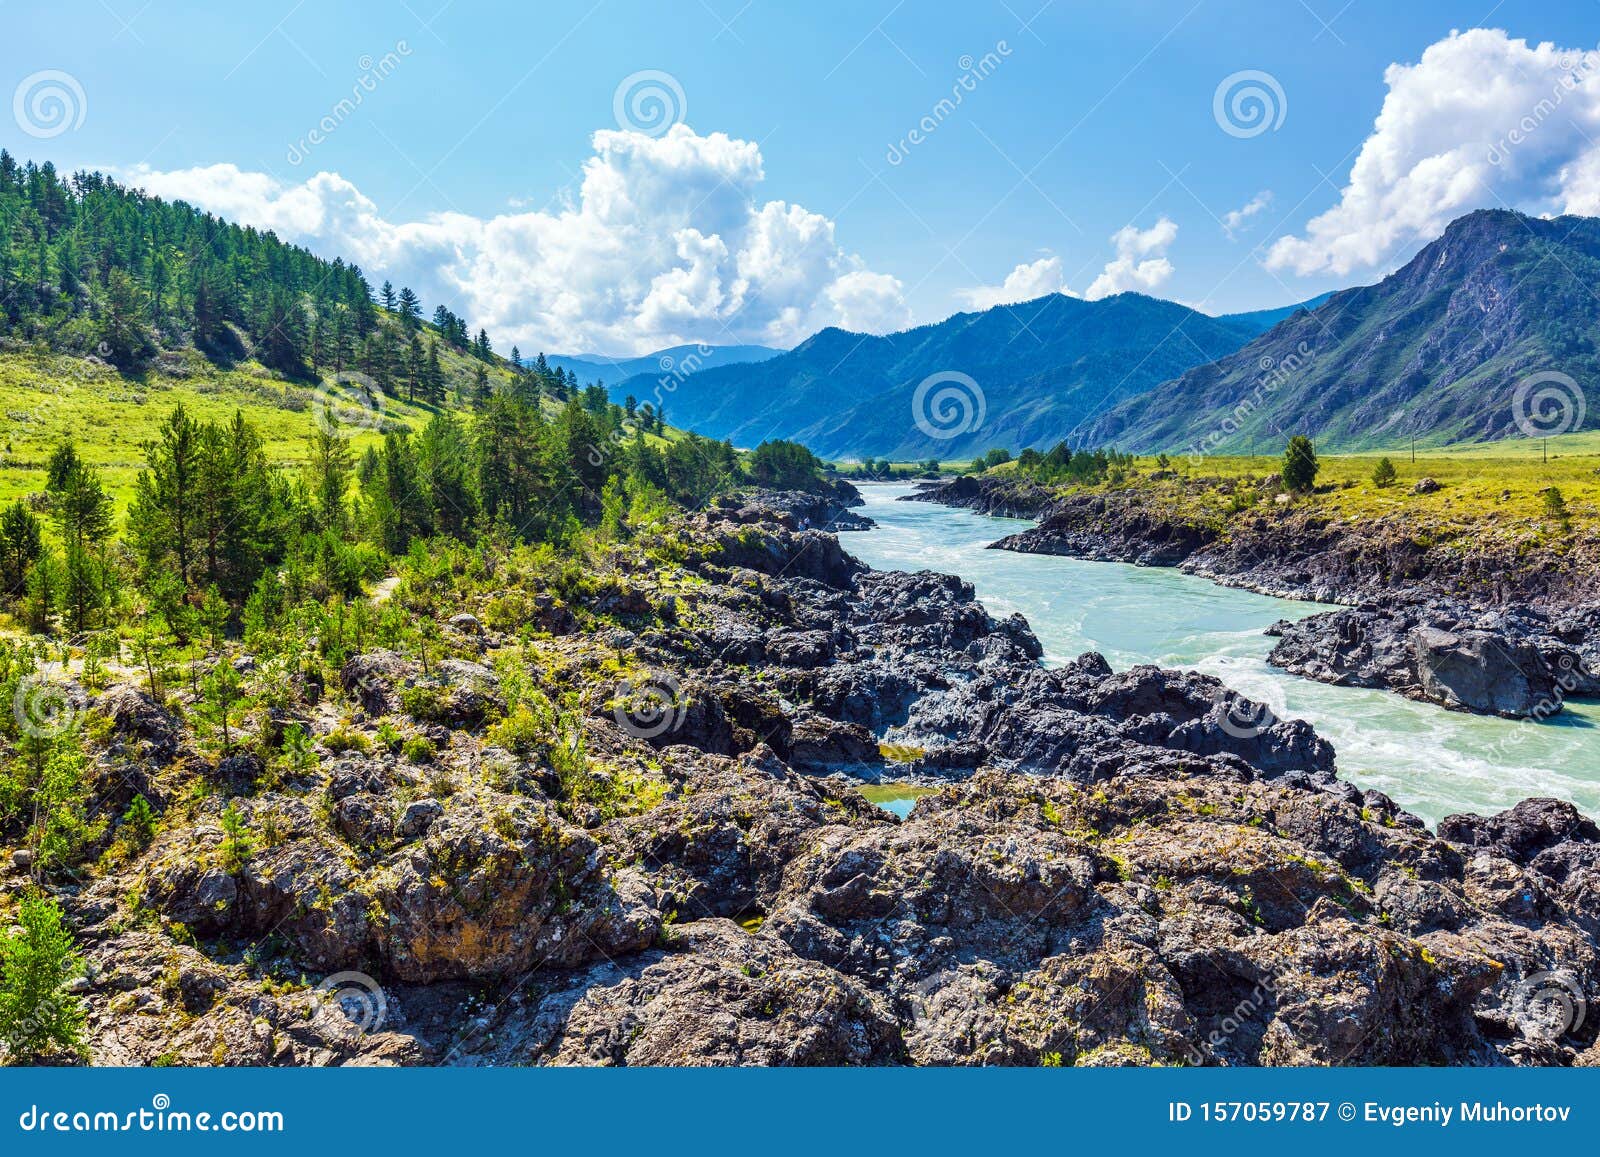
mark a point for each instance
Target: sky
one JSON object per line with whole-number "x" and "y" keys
{"x": 615, "y": 177}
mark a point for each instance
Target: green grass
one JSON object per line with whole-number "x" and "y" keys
{"x": 1496, "y": 481}
{"x": 46, "y": 397}
{"x": 1493, "y": 483}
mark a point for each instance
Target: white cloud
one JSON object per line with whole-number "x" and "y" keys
{"x": 1235, "y": 220}
{"x": 1141, "y": 263}
{"x": 1480, "y": 121}
{"x": 667, "y": 243}
{"x": 1024, "y": 283}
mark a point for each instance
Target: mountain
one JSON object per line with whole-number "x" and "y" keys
{"x": 678, "y": 359}
{"x": 1041, "y": 367}
{"x": 1436, "y": 350}
{"x": 1261, "y": 320}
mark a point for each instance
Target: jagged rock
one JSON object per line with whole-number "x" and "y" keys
{"x": 375, "y": 680}
{"x": 496, "y": 888}
{"x": 417, "y": 817}
{"x": 822, "y": 744}
{"x": 718, "y": 997}
{"x": 134, "y": 715}
{"x": 1483, "y": 671}
{"x": 1438, "y": 651}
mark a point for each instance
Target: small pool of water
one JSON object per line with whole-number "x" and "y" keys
{"x": 895, "y": 798}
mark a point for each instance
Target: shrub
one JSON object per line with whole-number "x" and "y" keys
{"x": 238, "y": 845}
{"x": 389, "y": 737}
{"x": 526, "y": 729}
{"x": 36, "y": 964}
{"x": 343, "y": 739}
{"x": 425, "y": 702}
{"x": 419, "y": 749}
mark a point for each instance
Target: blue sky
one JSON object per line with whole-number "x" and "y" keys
{"x": 1089, "y": 153}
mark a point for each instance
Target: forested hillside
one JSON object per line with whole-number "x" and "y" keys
{"x": 201, "y": 415}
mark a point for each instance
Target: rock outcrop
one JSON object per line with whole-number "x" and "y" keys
{"x": 1116, "y": 868}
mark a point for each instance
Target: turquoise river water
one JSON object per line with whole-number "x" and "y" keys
{"x": 1431, "y": 761}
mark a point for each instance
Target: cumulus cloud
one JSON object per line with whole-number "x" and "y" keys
{"x": 1482, "y": 120}
{"x": 667, "y": 242}
{"x": 1141, "y": 263}
{"x": 1024, "y": 283}
{"x": 1235, "y": 220}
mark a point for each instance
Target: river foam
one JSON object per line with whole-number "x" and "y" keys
{"x": 1432, "y": 761}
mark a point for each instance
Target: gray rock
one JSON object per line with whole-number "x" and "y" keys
{"x": 419, "y": 814}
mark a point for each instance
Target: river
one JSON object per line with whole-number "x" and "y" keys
{"x": 1431, "y": 761}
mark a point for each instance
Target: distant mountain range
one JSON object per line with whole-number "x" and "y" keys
{"x": 1443, "y": 349}
{"x": 673, "y": 360}
{"x": 1040, "y": 368}
{"x": 1450, "y": 348}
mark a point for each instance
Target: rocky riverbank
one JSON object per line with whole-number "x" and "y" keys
{"x": 1473, "y": 625}
{"x": 632, "y": 836}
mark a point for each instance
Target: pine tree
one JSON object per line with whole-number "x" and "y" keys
{"x": 386, "y": 295}
{"x": 36, "y": 964}
{"x": 410, "y": 310}
{"x": 433, "y": 377}
{"x": 21, "y": 544}
{"x": 1300, "y": 465}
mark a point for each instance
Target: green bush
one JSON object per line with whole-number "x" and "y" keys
{"x": 419, "y": 749}
{"x": 343, "y": 739}
{"x": 36, "y": 964}
{"x": 425, "y": 702}
{"x": 238, "y": 845}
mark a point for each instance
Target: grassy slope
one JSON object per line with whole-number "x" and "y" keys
{"x": 44, "y": 397}
{"x": 1494, "y": 488}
